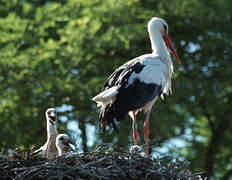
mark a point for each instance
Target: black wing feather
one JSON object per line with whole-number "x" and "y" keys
{"x": 121, "y": 75}
{"x": 130, "y": 97}
{"x": 136, "y": 96}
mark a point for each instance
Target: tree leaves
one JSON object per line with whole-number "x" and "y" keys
{"x": 56, "y": 53}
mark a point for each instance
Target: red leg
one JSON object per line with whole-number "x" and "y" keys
{"x": 146, "y": 130}
{"x": 134, "y": 127}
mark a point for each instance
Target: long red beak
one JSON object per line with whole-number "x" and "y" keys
{"x": 170, "y": 45}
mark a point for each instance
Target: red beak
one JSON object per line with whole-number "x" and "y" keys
{"x": 170, "y": 45}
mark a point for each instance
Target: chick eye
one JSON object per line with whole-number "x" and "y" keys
{"x": 165, "y": 28}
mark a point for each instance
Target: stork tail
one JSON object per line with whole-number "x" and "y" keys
{"x": 107, "y": 116}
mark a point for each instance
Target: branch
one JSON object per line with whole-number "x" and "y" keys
{"x": 82, "y": 127}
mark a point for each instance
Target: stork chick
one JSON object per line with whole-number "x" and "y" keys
{"x": 49, "y": 148}
{"x": 63, "y": 144}
{"x": 135, "y": 149}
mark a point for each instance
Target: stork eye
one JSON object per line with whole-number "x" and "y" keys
{"x": 165, "y": 28}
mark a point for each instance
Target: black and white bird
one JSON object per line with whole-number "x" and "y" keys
{"x": 63, "y": 144}
{"x": 49, "y": 148}
{"x": 136, "y": 85}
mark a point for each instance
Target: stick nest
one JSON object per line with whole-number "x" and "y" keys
{"x": 105, "y": 162}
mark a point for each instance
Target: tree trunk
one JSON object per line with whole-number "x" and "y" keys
{"x": 83, "y": 135}
{"x": 214, "y": 144}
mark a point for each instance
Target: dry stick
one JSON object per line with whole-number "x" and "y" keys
{"x": 96, "y": 166}
{"x": 120, "y": 169}
{"x": 92, "y": 163}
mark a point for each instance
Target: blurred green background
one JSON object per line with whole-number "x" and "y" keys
{"x": 58, "y": 54}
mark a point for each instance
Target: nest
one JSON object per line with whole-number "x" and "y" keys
{"x": 105, "y": 162}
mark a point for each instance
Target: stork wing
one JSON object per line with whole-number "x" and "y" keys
{"x": 117, "y": 80}
{"x": 121, "y": 75}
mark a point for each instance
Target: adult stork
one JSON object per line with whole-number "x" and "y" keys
{"x": 136, "y": 85}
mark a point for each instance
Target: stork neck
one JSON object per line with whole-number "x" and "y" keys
{"x": 51, "y": 130}
{"x": 158, "y": 45}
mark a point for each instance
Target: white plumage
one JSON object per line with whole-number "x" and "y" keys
{"x": 154, "y": 71}
{"x": 49, "y": 148}
{"x": 63, "y": 144}
{"x": 137, "y": 84}
{"x": 106, "y": 95}
{"x": 135, "y": 149}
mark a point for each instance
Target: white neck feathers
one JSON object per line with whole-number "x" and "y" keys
{"x": 51, "y": 130}
{"x": 158, "y": 45}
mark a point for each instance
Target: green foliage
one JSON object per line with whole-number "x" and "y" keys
{"x": 59, "y": 53}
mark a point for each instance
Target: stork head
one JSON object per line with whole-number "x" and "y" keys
{"x": 51, "y": 115}
{"x": 135, "y": 149}
{"x": 162, "y": 26}
{"x": 63, "y": 144}
{"x": 158, "y": 23}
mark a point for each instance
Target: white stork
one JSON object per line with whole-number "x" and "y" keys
{"x": 63, "y": 144}
{"x": 136, "y": 85}
{"x": 49, "y": 148}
